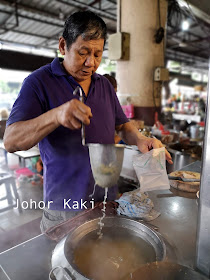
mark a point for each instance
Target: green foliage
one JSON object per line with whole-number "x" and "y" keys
{"x": 107, "y": 66}
{"x": 9, "y": 87}
{"x": 4, "y": 87}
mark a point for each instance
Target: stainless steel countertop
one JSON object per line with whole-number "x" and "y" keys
{"x": 177, "y": 224}
{"x": 178, "y": 220}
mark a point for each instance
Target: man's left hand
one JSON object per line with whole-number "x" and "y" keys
{"x": 145, "y": 144}
{"x": 132, "y": 136}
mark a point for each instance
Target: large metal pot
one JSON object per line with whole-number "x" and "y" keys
{"x": 62, "y": 259}
{"x": 166, "y": 270}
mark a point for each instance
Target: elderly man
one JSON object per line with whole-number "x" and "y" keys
{"x": 47, "y": 112}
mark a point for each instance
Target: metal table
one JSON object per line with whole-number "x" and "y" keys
{"x": 23, "y": 155}
{"x": 29, "y": 260}
{"x": 177, "y": 224}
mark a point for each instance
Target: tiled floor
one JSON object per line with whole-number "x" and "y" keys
{"x": 12, "y": 219}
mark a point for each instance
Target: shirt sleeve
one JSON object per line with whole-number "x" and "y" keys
{"x": 28, "y": 104}
{"x": 120, "y": 117}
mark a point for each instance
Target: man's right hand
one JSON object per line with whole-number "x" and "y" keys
{"x": 71, "y": 114}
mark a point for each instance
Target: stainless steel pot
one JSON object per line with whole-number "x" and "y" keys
{"x": 166, "y": 270}
{"x": 197, "y": 132}
{"x": 62, "y": 259}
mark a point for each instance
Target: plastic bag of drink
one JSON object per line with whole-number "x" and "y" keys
{"x": 150, "y": 169}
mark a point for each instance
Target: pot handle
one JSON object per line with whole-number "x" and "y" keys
{"x": 61, "y": 274}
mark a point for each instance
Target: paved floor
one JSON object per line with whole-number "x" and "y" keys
{"x": 12, "y": 219}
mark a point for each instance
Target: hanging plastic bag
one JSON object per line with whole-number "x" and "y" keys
{"x": 151, "y": 170}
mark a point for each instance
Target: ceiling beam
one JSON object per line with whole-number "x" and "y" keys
{"x": 180, "y": 54}
{"x": 191, "y": 43}
{"x": 22, "y": 61}
{"x": 27, "y": 33}
{"x": 27, "y": 45}
{"x": 51, "y": 22}
{"x": 79, "y": 4}
{"x": 184, "y": 32}
{"x": 192, "y": 53}
{"x": 30, "y": 9}
{"x": 43, "y": 21}
{"x": 113, "y": 2}
{"x": 72, "y": 3}
{"x": 200, "y": 9}
{"x": 201, "y": 40}
{"x": 202, "y": 50}
{"x": 178, "y": 29}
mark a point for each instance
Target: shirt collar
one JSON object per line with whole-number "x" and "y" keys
{"x": 96, "y": 76}
{"x": 58, "y": 70}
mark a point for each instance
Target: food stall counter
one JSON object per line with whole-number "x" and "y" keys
{"x": 177, "y": 224}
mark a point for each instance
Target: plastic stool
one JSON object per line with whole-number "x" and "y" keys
{"x": 9, "y": 181}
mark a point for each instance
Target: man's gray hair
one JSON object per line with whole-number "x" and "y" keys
{"x": 85, "y": 24}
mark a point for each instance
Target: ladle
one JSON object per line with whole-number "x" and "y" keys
{"x": 105, "y": 159}
{"x": 81, "y": 98}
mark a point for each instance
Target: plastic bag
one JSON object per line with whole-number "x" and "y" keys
{"x": 151, "y": 170}
{"x": 135, "y": 204}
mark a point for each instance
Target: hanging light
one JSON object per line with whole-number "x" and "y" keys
{"x": 185, "y": 25}
{"x": 182, "y": 4}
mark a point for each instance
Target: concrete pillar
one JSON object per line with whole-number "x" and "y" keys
{"x": 135, "y": 77}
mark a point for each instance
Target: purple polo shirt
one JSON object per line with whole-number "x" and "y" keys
{"x": 67, "y": 170}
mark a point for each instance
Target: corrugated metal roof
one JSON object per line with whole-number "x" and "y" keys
{"x": 39, "y": 23}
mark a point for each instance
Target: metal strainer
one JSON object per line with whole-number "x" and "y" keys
{"x": 106, "y": 163}
{"x": 105, "y": 159}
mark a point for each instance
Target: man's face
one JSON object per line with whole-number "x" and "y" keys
{"x": 83, "y": 57}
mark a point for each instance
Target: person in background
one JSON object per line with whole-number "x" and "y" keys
{"x": 4, "y": 114}
{"x": 112, "y": 81}
{"x": 202, "y": 108}
{"x": 47, "y": 112}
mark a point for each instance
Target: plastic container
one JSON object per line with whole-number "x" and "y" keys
{"x": 128, "y": 110}
{"x": 23, "y": 171}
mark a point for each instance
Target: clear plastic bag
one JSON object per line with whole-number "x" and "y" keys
{"x": 151, "y": 170}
